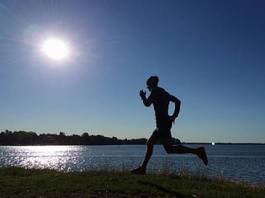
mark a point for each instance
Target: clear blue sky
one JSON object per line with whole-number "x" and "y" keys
{"x": 210, "y": 54}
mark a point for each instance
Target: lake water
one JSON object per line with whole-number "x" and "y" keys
{"x": 234, "y": 162}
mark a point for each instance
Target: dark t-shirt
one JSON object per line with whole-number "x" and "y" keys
{"x": 160, "y": 100}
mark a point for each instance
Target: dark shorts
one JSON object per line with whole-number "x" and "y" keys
{"x": 163, "y": 129}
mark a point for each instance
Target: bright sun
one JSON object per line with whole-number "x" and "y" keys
{"x": 55, "y": 49}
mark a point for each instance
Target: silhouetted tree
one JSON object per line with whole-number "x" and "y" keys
{"x": 31, "y": 138}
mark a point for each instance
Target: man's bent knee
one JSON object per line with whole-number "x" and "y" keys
{"x": 151, "y": 141}
{"x": 169, "y": 149}
{"x": 149, "y": 144}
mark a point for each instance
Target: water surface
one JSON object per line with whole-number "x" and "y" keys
{"x": 234, "y": 162}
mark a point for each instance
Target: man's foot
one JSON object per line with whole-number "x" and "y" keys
{"x": 202, "y": 155}
{"x": 139, "y": 171}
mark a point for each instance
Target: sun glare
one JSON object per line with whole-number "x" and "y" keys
{"x": 56, "y": 49}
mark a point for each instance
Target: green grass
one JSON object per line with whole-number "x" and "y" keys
{"x": 19, "y": 182}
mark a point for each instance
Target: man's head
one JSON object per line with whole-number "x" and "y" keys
{"x": 152, "y": 82}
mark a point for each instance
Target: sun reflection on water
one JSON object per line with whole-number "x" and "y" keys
{"x": 52, "y": 157}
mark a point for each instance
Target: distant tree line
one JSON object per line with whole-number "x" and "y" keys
{"x": 31, "y": 138}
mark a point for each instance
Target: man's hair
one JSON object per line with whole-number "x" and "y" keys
{"x": 152, "y": 81}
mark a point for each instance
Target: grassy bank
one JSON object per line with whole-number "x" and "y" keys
{"x": 18, "y": 182}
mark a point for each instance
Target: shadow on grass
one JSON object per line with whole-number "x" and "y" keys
{"x": 163, "y": 189}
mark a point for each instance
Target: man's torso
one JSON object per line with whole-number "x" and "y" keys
{"x": 160, "y": 100}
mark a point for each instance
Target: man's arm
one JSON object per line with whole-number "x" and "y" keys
{"x": 177, "y": 103}
{"x": 147, "y": 101}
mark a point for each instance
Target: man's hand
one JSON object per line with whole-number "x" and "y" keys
{"x": 172, "y": 118}
{"x": 142, "y": 94}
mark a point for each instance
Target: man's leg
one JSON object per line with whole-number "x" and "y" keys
{"x": 149, "y": 151}
{"x": 180, "y": 149}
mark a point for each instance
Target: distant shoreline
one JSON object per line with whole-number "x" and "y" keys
{"x": 190, "y": 143}
{"x": 223, "y": 143}
{"x": 24, "y": 138}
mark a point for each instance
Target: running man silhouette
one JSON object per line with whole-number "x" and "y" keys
{"x": 162, "y": 134}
